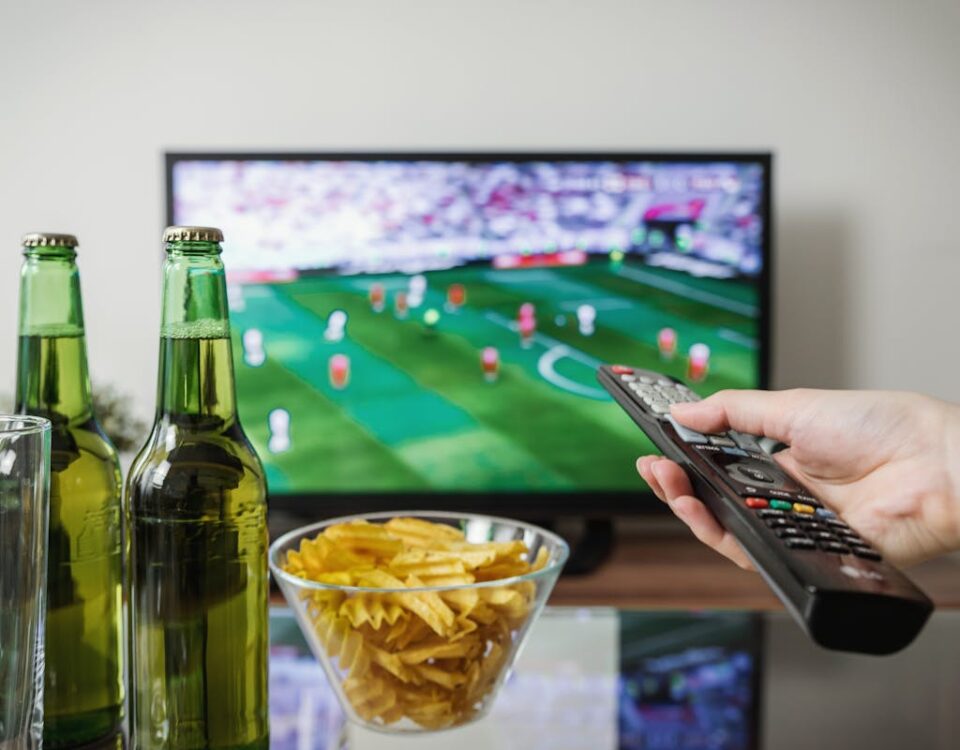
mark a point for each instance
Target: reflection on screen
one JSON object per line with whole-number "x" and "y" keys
{"x": 688, "y": 681}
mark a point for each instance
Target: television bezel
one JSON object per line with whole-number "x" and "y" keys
{"x": 522, "y": 504}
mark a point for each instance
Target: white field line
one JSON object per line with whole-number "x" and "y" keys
{"x": 699, "y": 295}
{"x": 735, "y": 337}
{"x": 556, "y": 350}
{"x": 545, "y": 366}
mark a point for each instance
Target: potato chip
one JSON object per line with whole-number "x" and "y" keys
{"x": 419, "y": 533}
{"x": 365, "y": 539}
{"x": 431, "y": 657}
{"x": 437, "y": 648}
{"x": 370, "y": 608}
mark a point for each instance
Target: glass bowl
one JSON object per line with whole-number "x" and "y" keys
{"x": 406, "y": 660}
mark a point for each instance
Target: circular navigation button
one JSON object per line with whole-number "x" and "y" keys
{"x": 756, "y": 474}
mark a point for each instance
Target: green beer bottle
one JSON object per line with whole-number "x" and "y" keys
{"x": 198, "y": 530}
{"x": 83, "y": 690}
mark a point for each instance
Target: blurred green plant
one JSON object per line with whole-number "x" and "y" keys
{"x": 115, "y": 411}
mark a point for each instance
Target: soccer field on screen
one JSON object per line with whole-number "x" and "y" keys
{"x": 416, "y": 411}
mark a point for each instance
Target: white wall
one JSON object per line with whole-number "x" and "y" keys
{"x": 859, "y": 99}
{"x": 814, "y": 698}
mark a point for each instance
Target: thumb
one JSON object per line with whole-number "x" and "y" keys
{"x": 768, "y": 413}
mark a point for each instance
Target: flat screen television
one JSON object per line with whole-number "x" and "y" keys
{"x": 424, "y": 329}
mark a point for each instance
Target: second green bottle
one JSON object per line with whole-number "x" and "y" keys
{"x": 198, "y": 532}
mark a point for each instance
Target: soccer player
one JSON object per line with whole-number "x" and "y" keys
{"x": 253, "y": 353}
{"x": 586, "y": 319}
{"x": 279, "y": 422}
{"x": 338, "y": 370}
{"x": 490, "y": 363}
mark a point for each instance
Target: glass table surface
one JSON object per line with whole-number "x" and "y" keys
{"x": 606, "y": 679}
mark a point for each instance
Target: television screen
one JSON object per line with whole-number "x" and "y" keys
{"x": 689, "y": 680}
{"x": 430, "y": 325}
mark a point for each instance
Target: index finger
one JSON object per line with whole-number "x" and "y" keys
{"x": 769, "y": 413}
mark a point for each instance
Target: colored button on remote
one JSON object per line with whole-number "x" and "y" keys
{"x": 802, "y": 508}
{"x": 780, "y": 505}
{"x": 622, "y": 370}
{"x": 756, "y": 502}
{"x": 824, "y": 513}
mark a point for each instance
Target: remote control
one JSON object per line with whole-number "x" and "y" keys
{"x": 832, "y": 581}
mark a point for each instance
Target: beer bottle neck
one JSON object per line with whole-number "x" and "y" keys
{"x": 52, "y": 375}
{"x": 196, "y": 386}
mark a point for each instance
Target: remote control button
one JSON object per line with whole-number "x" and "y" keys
{"x": 660, "y": 408}
{"x": 723, "y": 441}
{"x": 665, "y": 381}
{"x": 780, "y": 505}
{"x": 739, "y": 452}
{"x": 746, "y": 442}
{"x": 789, "y": 532}
{"x": 836, "y": 523}
{"x": 808, "y": 499}
{"x": 802, "y": 508}
{"x": 772, "y": 514}
{"x": 853, "y": 540}
{"x": 824, "y": 536}
{"x": 686, "y": 434}
{"x": 646, "y": 379}
{"x": 824, "y": 513}
{"x": 757, "y": 502}
{"x": 867, "y": 553}
{"x": 799, "y": 543}
{"x": 628, "y": 378}
{"x": 840, "y": 549}
{"x": 780, "y": 523}
{"x": 756, "y": 474}
{"x": 622, "y": 370}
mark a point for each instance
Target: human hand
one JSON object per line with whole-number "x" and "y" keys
{"x": 886, "y": 462}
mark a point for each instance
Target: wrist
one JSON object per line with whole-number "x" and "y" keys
{"x": 952, "y": 459}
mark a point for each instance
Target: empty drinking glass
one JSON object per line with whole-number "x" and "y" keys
{"x": 24, "y": 488}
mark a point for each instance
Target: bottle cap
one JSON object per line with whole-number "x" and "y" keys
{"x": 192, "y": 234}
{"x": 49, "y": 239}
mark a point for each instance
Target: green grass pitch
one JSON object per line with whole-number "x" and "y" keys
{"x": 417, "y": 413}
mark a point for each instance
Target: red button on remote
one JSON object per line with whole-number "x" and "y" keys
{"x": 622, "y": 370}
{"x": 756, "y": 502}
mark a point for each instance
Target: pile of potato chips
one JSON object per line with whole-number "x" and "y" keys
{"x": 429, "y": 656}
